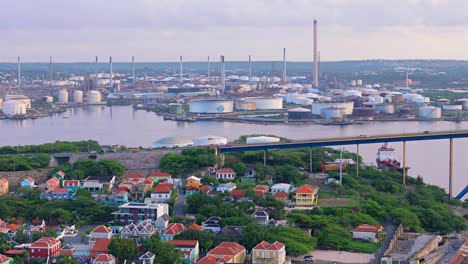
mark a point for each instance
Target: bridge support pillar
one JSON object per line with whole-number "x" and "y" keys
{"x": 221, "y": 156}
{"x": 451, "y": 168}
{"x": 404, "y": 163}
{"x": 310, "y": 159}
{"x": 264, "y": 157}
{"x": 357, "y": 160}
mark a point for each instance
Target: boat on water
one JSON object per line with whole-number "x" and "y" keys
{"x": 386, "y": 161}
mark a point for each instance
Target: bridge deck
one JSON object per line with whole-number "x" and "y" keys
{"x": 328, "y": 142}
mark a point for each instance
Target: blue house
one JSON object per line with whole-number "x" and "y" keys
{"x": 28, "y": 182}
{"x": 59, "y": 193}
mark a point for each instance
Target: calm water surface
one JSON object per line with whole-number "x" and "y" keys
{"x": 122, "y": 125}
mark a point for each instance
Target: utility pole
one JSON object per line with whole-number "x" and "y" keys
{"x": 341, "y": 166}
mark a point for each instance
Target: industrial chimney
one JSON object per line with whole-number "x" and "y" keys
{"x": 181, "y": 72}
{"x": 50, "y": 72}
{"x": 133, "y": 71}
{"x": 250, "y": 72}
{"x": 19, "y": 72}
{"x": 111, "y": 72}
{"x": 209, "y": 71}
{"x": 316, "y": 81}
{"x": 284, "y": 66}
{"x": 223, "y": 81}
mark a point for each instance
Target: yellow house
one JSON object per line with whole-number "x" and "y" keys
{"x": 266, "y": 253}
{"x": 3, "y": 186}
{"x": 306, "y": 196}
{"x": 193, "y": 182}
{"x": 234, "y": 252}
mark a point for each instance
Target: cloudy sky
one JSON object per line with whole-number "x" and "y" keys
{"x": 162, "y": 30}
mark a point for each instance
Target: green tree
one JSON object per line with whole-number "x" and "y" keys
{"x": 122, "y": 248}
{"x": 206, "y": 238}
{"x": 240, "y": 169}
{"x": 174, "y": 164}
{"x": 333, "y": 236}
{"x": 408, "y": 219}
{"x": 69, "y": 260}
{"x": 165, "y": 252}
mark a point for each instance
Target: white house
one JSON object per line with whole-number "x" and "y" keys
{"x": 225, "y": 173}
{"x": 281, "y": 187}
{"x": 161, "y": 193}
{"x": 226, "y": 187}
{"x": 98, "y": 233}
{"x": 367, "y": 232}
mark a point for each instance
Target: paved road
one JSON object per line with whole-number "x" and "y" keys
{"x": 179, "y": 204}
{"x": 390, "y": 231}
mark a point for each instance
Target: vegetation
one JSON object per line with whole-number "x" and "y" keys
{"x": 165, "y": 252}
{"x": 56, "y": 147}
{"x": 122, "y": 248}
{"x": 206, "y": 238}
{"x": 190, "y": 159}
{"x": 24, "y": 162}
{"x": 89, "y": 167}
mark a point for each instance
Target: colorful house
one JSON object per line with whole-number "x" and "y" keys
{"x": 158, "y": 176}
{"x": 262, "y": 188}
{"x": 206, "y": 189}
{"x": 226, "y": 174}
{"x": 367, "y": 232}
{"x": 73, "y": 185}
{"x": 232, "y": 250}
{"x": 100, "y": 232}
{"x": 238, "y": 193}
{"x": 4, "y": 186}
{"x": 60, "y": 175}
{"x": 52, "y": 184}
{"x": 101, "y": 246}
{"x": 172, "y": 230}
{"x": 28, "y": 182}
{"x": 161, "y": 193}
{"x": 191, "y": 190}
{"x": 306, "y": 196}
{"x": 266, "y": 253}
{"x": 195, "y": 227}
{"x": 226, "y": 187}
{"x": 104, "y": 259}
{"x": 194, "y": 182}
{"x": 280, "y": 196}
{"x": 58, "y": 193}
{"x": 45, "y": 247}
{"x": 5, "y": 260}
{"x": 189, "y": 248}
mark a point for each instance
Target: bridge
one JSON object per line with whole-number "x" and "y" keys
{"x": 363, "y": 139}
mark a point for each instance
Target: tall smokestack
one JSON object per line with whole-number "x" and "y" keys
{"x": 96, "y": 69}
{"x": 407, "y": 80}
{"x": 50, "y": 72}
{"x": 209, "y": 71}
{"x": 181, "y": 71}
{"x": 111, "y": 72}
{"x": 223, "y": 81}
{"x": 284, "y": 66}
{"x": 316, "y": 81}
{"x": 19, "y": 72}
{"x": 133, "y": 71}
{"x": 250, "y": 72}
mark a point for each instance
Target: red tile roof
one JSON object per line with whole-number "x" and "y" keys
{"x": 71, "y": 183}
{"x": 134, "y": 176}
{"x": 184, "y": 243}
{"x": 3, "y": 180}
{"x": 280, "y": 195}
{"x": 148, "y": 181}
{"x": 368, "y": 228}
{"x": 60, "y": 173}
{"x": 60, "y": 190}
{"x": 214, "y": 260}
{"x": 305, "y": 189}
{"x": 267, "y": 246}
{"x": 53, "y": 179}
{"x": 238, "y": 193}
{"x": 102, "y": 245}
{"x": 227, "y": 248}
{"x": 4, "y": 258}
{"x": 45, "y": 242}
{"x": 102, "y": 229}
{"x": 162, "y": 188}
{"x": 13, "y": 227}
{"x": 205, "y": 188}
{"x": 174, "y": 229}
{"x": 263, "y": 188}
{"x": 160, "y": 174}
{"x": 14, "y": 252}
{"x": 195, "y": 227}
{"x": 122, "y": 189}
{"x": 29, "y": 179}
{"x": 104, "y": 258}
{"x": 225, "y": 170}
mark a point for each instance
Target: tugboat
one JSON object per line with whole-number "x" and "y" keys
{"x": 385, "y": 159}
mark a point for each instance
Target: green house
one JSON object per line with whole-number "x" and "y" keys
{"x": 60, "y": 175}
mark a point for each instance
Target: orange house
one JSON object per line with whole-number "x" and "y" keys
{"x": 193, "y": 182}
{"x": 3, "y": 186}
{"x": 52, "y": 184}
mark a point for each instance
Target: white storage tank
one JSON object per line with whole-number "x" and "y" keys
{"x": 14, "y": 107}
{"x": 63, "y": 96}
{"x": 254, "y": 79}
{"x": 429, "y": 112}
{"x": 209, "y": 140}
{"x": 1, "y": 103}
{"x": 20, "y": 98}
{"x": 353, "y": 82}
{"x": 347, "y": 106}
{"x": 211, "y": 106}
{"x": 94, "y": 97}
{"x": 262, "y": 139}
{"x": 421, "y": 99}
{"x": 266, "y": 103}
{"x": 359, "y": 82}
{"x": 449, "y": 107}
{"x": 385, "y": 108}
{"x": 78, "y": 96}
{"x": 332, "y": 112}
{"x": 171, "y": 142}
{"x": 465, "y": 106}
{"x": 352, "y": 93}
{"x": 47, "y": 99}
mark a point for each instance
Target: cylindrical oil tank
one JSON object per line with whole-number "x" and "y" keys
{"x": 1, "y": 103}
{"x": 262, "y": 139}
{"x": 78, "y": 96}
{"x": 63, "y": 96}
{"x": 172, "y": 142}
{"x": 211, "y": 106}
{"x": 352, "y": 93}
{"x": 347, "y": 106}
{"x": 449, "y": 107}
{"x": 369, "y": 91}
{"x": 13, "y": 107}
{"x": 94, "y": 97}
{"x": 353, "y": 82}
{"x": 429, "y": 112}
{"x": 266, "y": 103}
{"x": 359, "y": 82}
{"x": 385, "y": 108}
{"x": 465, "y": 106}
{"x": 209, "y": 140}
{"x": 299, "y": 113}
{"x": 332, "y": 112}
{"x": 442, "y": 101}
{"x": 364, "y": 112}
{"x": 254, "y": 79}
{"x": 47, "y": 99}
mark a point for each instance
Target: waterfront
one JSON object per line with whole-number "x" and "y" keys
{"x": 122, "y": 125}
